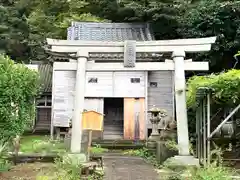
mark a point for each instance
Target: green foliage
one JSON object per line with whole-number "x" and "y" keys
{"x": 41, "y": 144}
{"x": 18, "y": 88}
{"x": 171, "y": 145}
{"x": 205, "y": 173}
{"x": 225, "y": 87}
{"x": 211, "y": 173}
{"x": 65, "y": 169}
{"x": 97, "y": 149}
{"x": 13, "y": 31}
{"x": 214, "y": 18}
{"x": 51, "y": 19}
{"x": 4, "y": 164}
{"x": 145, "y": 154}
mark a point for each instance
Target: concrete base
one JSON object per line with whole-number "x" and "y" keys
{"x": 76, "y": 159}
{"x": 181, "y": 162}
{"x": 154, "y": 137}
{"x": 163, "y": 153}
{"x": 151, "y": 144}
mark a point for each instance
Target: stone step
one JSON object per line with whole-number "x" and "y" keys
{"x": 113, "y": 133}
{"x": 43, "y": 124}
{"x": 113, "y": 129}
{"x": 112, "y": 136}
{"x": 113, "y": 124}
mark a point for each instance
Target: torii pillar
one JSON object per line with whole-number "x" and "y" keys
{"x": 184, "y": 157}
{"x": 180, "y": 99}
{"x": 77, "y": 155}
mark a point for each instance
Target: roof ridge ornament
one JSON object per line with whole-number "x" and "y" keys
{"x": 129, "y": 53}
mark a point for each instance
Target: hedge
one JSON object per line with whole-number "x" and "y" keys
{"x": 19, "y": 86}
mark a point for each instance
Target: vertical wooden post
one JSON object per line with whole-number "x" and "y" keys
{"x": 58, "y": 133}
{"x": 208, "y": 127}
{"x": 198, "y": 133}
{"x": 204, "y": 133}
{"x": 79, "y": 103}
{"x": 142, "y": 119}
{"x": 52, "y": 112}
{"x": 89, "y": 143}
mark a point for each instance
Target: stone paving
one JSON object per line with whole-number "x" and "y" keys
{"x": 118, "y": 167}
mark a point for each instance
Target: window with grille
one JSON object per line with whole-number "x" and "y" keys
{"x": 93, "y": 80}
{"x": 135, "y": 80}
{"x": 153, "y": 84}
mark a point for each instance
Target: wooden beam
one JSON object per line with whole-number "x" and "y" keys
{"x": 177, "y": 42}
{"x": 170, "y": 60}
{"x": 147, "y": 66}
{"x": 117, "y": 49}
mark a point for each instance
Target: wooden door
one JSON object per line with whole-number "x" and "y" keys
{"x": 134, "y": 118}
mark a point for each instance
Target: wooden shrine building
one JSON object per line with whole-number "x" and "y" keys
{"x": 124, "y": 97}
{"x": 119, "y": 70}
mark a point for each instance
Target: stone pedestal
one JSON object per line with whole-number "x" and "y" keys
{"x": 163, "y": 152}
{"x": 181, "y": 162}
{"x": 155, "y": 136}
{"x": 76, "y": 159}
{"x": 81, "y": 157}
{"x": 156, "y": 116}
{"x": 168, "y": 135}
{"x": 151, "y": 145}
{"x": 84, "y": 143}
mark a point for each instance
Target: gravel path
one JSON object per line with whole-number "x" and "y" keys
{"x": 119, "y": 167}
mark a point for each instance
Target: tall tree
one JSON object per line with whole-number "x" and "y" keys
{"x": 51, "y": 18}
{"x": 215, "y": 18}
{"x": 13, "y": 31}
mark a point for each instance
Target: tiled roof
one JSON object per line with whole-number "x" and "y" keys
{"x": 101, "y": 32}
{"x": 45, "y": 71}
{"x": 109, "y": 31}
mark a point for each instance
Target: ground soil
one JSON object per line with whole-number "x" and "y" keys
{"x": 118, "y": 167}
{"x": 31, "y": 171}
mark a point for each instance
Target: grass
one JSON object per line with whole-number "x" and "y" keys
{"x": 97, "y": 149}
{"x": 43, "y": 144}
{"x": 145, "y": 154}
{"x": 40, "y": 144}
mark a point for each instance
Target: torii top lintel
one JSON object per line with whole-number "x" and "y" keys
{"x": 186, "y": 45}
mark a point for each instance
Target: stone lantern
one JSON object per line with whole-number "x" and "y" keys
{"x": 157, "y": 115}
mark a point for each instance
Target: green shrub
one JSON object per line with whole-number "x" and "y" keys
{"x": 211, "y": 172}
{"x": 225, "y": 87}
{"x": 67, "y": 170}
{"x": 4, "y": 163}
{"x": 97, "y": 149}
{"x": 145, "y": 154}
{"x": 18, "y": 88}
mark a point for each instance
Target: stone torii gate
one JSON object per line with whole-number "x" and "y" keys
{"x": 178, "y": 48}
